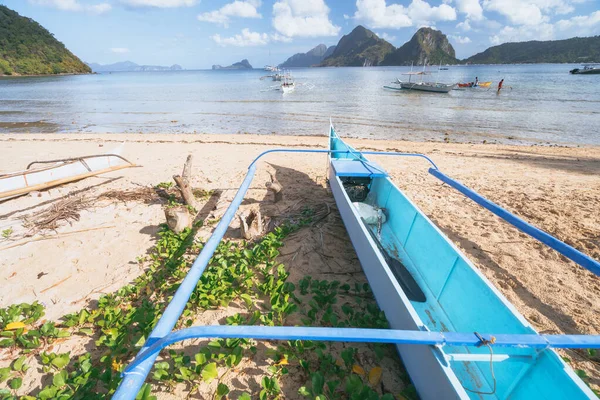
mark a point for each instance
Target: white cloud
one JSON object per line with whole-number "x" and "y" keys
{"x": 472, "y": 8}
{"x": 160, "y": 3}
{"x": 377, "y": 14}
{"x": 385, "y": 36}
{"x": 523, "y": 33}
{"x": 460, "y": 39}
{"x": 529, "y": 12}
{"x": 74, "y": 5}
{"x": 303, "y": 18}
{"x": 245, "y": 39}
{"x": 120, "y": 50}
{"x": 465, "y": 25}
{"x": 241, "y": 9}
{"x": 276, "y": 37}
{"x": 582, "y": 25}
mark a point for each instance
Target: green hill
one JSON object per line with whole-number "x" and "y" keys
{"x": 27, "y": 48}
{"x": 426, "y": 45}
{"x": 574, "y": 50}
{"x": 359, "y": 47}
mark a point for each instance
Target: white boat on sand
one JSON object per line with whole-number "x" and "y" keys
{"x": 57, "y": 172}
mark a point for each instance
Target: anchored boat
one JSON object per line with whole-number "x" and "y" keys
{"x": 51, "y": 173}
{"x": 435, "y": 300}
{"x": 435, "y": 87}
{"x": 586, "y": 70}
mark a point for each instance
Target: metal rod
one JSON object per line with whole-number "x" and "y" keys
{"x": 134, "y": 380}
{"x": 362, "y": 335}
{"x": 568, "y": 251}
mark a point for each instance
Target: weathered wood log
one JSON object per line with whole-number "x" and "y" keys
{"x": 251, "y": 223}
{"x": 178, "y": 218}
{"x": 186, "y": 191}
{"x": 183, "y": 183}
{"x": 187, "y": 169}
{"x": 275, "y": 187}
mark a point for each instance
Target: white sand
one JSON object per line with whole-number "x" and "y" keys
{"x": 557, "y": 189}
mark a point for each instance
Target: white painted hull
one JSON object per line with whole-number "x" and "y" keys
{"x": 427, "y": 87}
{"x": 22, "y": 182}
{"x": 288, "y": 88}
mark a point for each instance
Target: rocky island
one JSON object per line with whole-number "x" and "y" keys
{"x": 244, "y": 64}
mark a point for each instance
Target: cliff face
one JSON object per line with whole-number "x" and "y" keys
{"x": 359, "y": 47}
{"x": 27, "y": 48}
{"x": 426, "y": 45}
{"x": 309, "y": 59}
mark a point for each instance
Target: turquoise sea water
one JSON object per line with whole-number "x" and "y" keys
{"x": 540, "y": 104}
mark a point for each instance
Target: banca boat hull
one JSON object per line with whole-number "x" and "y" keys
{"x": 458, "y": 297}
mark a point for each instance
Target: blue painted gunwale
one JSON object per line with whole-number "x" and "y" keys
{"x": 445, "y": 274}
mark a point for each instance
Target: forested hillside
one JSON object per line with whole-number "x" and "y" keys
{"x": 27, "y": 48}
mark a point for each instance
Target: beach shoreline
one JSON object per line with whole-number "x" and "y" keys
{"x": 554, "y": 188}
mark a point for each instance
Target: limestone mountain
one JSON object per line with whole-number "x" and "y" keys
{"x": 27, "y": 48}
{"x": 309, "y": 59}
{"x": 574, "y": 50}
{"x": 426, "y": 45}
{"x": 359, "y": 47}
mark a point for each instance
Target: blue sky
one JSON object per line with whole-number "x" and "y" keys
{"x": 197, "y": 34}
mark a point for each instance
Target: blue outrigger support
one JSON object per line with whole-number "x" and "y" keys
{"x": 162, "y": 335}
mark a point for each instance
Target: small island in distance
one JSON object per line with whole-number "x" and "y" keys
{"x": 244, "y": 64}
{"x": 128, "y": 66}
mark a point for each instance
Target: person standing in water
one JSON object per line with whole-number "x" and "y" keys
{"x": 500, "y": 85}
{"x": 476, "y": 81}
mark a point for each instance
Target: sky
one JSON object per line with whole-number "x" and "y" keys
{"x": 199, "y": 33}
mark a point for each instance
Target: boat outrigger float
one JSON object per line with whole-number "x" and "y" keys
{"x": 459, "y": 338}
{"x": 47, "y": 174}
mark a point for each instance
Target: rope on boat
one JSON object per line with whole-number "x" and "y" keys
{"x": 79, "y": 159}
{"x": 488, "y": 343}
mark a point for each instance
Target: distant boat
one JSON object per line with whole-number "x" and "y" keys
{"x": 434, "y": 87}
{"x": 271, "y": 68}
{"x": 472, "y": 84}
{"x": 586, "y": 70}
{"x": 58, "y": 172}
{"x": 288, "y": 85}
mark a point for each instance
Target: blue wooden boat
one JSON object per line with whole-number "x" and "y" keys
{"x": 451, "y": 295}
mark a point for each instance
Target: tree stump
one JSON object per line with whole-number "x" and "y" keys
{"x": 275, "y": 187}
{"x": 251, "y": 223}
{"x": 178, "y": 218}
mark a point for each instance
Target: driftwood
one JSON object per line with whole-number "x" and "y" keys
{"x": 251, "y": 223}
{"x": 178, "y": 218}
{"x": 183, "y": 183}
{"x": 275, "y": 187}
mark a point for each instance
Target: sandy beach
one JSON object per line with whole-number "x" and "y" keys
{"x": 69, "y": 268}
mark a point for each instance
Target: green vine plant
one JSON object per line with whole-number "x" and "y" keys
{"x": 245, "y": 273}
